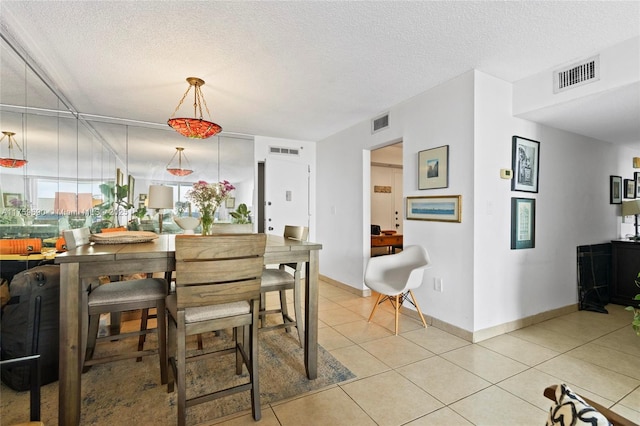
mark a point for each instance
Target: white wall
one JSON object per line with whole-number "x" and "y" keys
{"x": 572, "y": 209}
{"x": 441, "y": 116}
{"x": 485, "y": 282}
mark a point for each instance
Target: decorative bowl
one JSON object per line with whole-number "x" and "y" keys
{"x": 187, "y": 223}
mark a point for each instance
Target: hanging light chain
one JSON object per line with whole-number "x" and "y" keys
{"x": 181, "y": 101}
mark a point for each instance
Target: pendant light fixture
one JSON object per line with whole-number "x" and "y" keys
{"x": 178, "y": 170}
{"x": 11, "y": 161}
{"x": 195, "y": 128}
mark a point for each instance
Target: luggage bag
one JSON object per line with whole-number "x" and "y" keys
{"x": 30, "y": 325}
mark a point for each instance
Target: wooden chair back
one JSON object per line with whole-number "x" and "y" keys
{"x": 300, "y": 233}
{"x": 216, "y": 269}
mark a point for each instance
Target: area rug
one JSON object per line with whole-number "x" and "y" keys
{"x": 129, "y": 392}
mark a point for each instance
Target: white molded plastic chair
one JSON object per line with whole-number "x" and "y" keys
{"x": 395, "y": 276}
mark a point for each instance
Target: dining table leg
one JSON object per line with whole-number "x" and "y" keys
{"x": 70, "y": 345}
{"x": 311, "y": 315}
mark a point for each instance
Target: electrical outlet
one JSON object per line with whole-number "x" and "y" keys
{"x": 437, "y": 284}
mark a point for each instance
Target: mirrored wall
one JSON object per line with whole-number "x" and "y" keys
{"x": 76, "y": 159}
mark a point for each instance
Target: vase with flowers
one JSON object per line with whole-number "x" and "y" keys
{"x": 208, "y": 197}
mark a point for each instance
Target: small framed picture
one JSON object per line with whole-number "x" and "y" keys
{"x": 445, "y": 208}
{"x": 230, "y": 203}
{"x": 131, "y": 184}
{"x": 525, "y": 159}
{"x": 523, "y": 223}
{"x": 142, "y": 197}
{"x": 636, "y": 178}
{"x": 615, "y": 190}
{"x": 629, "y": 188}
{"x": 12, "y": 200}
{"x": 433, "y": 168}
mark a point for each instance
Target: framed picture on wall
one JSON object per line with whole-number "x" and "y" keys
{"x": 525, "y": 159}
{"x": 615, "y": 190}
{"x": 433, "y": 168}
{"x": 636, "y": 178}
{"x": 523, "y": 223}
{"x": 12, "y": 200}
{"x": 445, "y": 208}
{"x": 629, "y": 188}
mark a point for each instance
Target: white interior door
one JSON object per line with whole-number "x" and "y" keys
{"x": 286, "y": 195}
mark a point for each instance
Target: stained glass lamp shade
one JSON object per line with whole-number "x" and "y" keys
{"x": 197, "y": 127}
{"x": 177, "y": 169}
{"x": 12, "y": 161}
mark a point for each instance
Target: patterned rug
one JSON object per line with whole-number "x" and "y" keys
{"x": 129, "y": 392}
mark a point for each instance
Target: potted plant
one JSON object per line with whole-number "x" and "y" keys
{"x": 115, "y": 205}
{"x": 636, "y": 309}
{"x": 241, "y": 215}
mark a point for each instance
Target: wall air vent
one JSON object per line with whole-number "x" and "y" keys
{"x": 380, "y": 123}
{"x": 576, "y": 75}
{"x": 283, "y": 150}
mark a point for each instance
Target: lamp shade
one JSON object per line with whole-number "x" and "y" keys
{"x": 630, "y": 208}
{"x": 160, "y": 197}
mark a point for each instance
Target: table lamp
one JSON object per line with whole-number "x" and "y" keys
{"x": 632, "y": 208}
{"x": 160, "y": 197}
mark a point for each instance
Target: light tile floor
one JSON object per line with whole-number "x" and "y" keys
{"x": 430, "y": 377}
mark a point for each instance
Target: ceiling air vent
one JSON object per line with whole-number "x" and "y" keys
{"x": 576, "y": 75}
{"x": 380, "y": 123}
{"x": 283, "y": 150}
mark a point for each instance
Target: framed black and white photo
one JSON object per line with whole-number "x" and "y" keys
{"x": 525, "y": 159}
{"x": 629, "y": 188}
{"x": 615, "y": 190}
{"x": 523, "y": 223}
{"x": 636, "y": 178}
{"x": 433, "y": 168}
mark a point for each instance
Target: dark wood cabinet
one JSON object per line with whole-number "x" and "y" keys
{"x": 625, "y": 262}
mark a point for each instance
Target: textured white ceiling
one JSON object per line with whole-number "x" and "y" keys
{"x": 300, "y": 70}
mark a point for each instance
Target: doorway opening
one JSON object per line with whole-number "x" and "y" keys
{"x": 386, "y": 199}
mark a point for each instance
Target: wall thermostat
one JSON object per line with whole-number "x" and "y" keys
{"x": 506, "y": 173}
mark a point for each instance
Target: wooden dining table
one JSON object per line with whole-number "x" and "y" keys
{"x": 93, "y": 260}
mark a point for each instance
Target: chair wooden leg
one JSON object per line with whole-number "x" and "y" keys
{"x": 92, "y": 336}
{"x": 181, "y": 352}
{"x": 284, "y": 309}
{"x": 297, "y": 306}
{"x": 375, "y": 307}
{"x": 200, "y": 345}
{"x": 162, "y": 340}
{"x": 240, "y": 336}
{"x": 397, "y": 311}
{"x": 253, "y": 369}
{"x": 415, "y": 302}
{"x": 144, "y": 319}
{"x": 171, "y": 352}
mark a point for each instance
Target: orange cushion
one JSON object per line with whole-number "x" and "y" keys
{"x": 21, "y": 246}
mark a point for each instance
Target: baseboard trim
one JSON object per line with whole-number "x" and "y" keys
{"x": 342, "y": 286}
{"x": 469, "y": 336}
{"x": 488, "y": 333}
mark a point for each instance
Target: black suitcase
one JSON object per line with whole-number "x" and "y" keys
{"x": 30, "y": 325}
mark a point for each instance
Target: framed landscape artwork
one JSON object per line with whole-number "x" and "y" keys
{"x": 523, "y": 223}
{"x": 525, "y": 159}
{"x": 445, "y": 208}
{"x": 615, "y": 190}
{"x": 433, "y": 168}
